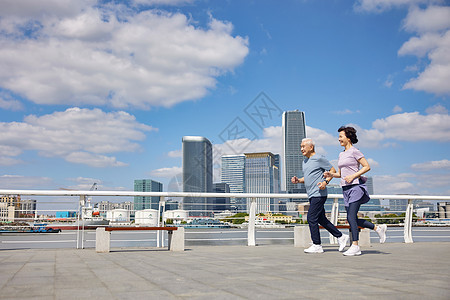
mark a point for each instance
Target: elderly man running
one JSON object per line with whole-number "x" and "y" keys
{"x": 314, "y": 166}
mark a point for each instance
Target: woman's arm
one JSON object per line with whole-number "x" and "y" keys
{"x": 365, "y": 168}
{"x": 332, "y": 173}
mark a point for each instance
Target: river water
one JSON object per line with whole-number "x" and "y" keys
{"x": 207, "y": 236}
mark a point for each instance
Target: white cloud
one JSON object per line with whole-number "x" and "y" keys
{"x": 433, "y": 27}
{"x": 162, "y": 2}
{"x": 434, "y": 18}
{"x": 346, "y": 112}
{"x": 397, "y": 109}
{"x": 321, "y": 137}
{"x": 373, "y": 163}
{"x": 21, "y": 182}
{"x": 414, "y": 127}
{"x": 432, "y": 165}
{"x": 166, "y": 172}
{"x": 94, "y": 160}
{"x": 85, "y": 55}
{"x": 77, "y": 135}
{"x": 378, "y": 6}
{"x": 9, "y": 103}
{"x": 394, "y": 184}
{"x": 175, "y": 153}
{"x": 437, "y": 109}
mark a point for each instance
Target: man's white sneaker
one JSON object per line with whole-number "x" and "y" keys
{"x": 381, "y": 231}
{"x": 343, "y": 241}
{"x": 353, "y": 250}
{"x": 314, "y": 249}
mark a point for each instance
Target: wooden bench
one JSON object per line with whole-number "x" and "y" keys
{"x": 103, "y": 236}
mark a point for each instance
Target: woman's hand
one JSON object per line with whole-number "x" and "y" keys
{"x": 349, "y": 178}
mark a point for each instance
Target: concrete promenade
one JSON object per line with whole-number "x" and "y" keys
{"x": 384, "y": 271}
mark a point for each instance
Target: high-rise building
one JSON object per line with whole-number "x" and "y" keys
{"x": 147, "y": 185}
{"x": 197, "y": 174}
{"x": 294, "y": 130}
{"x": 221, "y": 203}
{"x": 262, "y": 176}
{"x": 233, "y": 173}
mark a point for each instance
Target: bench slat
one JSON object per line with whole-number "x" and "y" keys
{"x": 140, "y": 228}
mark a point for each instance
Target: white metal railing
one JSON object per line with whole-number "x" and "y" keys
{"x": 251, "y": 237}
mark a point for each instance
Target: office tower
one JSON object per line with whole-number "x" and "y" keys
{"x": 294, "y": 130}
{"x": 27, "y": 208}
{"x": 261, "y": 176}
{"x": 197, "y": 174}
{"x": 221, "y": 203}
{"x": 147, "y": 185}
{"x": 369, "y": 184}
{"x": 233, "y": 173}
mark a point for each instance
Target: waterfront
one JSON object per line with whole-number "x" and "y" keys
{"x": 200, "y": 237}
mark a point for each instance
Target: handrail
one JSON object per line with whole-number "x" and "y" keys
{"x": 204, "y": 195}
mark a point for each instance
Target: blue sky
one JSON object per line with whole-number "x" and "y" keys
{"x": 104, "y": 91}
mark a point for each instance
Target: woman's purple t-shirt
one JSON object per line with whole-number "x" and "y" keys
{"x": 348, "y": 164}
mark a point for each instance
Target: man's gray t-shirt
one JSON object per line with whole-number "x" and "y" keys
{"x": 313, "y": 169}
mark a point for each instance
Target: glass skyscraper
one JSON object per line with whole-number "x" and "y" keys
{"x": 294, "y": 130}
{"x": 233, "y": 173}
{"x": 197, "y": 174}
{"x": 147, "y": 185}
{"x": 221, "y": 203}
{"x": 262, "y": 175}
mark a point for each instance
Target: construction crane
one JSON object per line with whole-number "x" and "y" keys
{"x": 93, "y": 187}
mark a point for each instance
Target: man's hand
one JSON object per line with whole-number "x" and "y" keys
{"x": 322, "y": 185}
{"x": 294, "y": 180}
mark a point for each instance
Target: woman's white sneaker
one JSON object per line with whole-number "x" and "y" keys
{"x": 343, "y": 241}
{"x": 381, "y": 231}
{"x": 314, "y": 249}
{"x": 353, "y": 250}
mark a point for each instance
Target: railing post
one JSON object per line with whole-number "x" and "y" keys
{"x": 334, "y": 219}
{"x": 407, "y": 231}
{"x": 162, "y": 202}
{"x": 251, "y": 237}
{"x": 81, "y": 204}
{"x": 161, "y": 206}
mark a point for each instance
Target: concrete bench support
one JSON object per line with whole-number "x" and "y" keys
{"x": 302, "y": 237}
{"x": 176, "y": 239}
{"x": 364, "y": 237}
{"x": 102, "y": 240}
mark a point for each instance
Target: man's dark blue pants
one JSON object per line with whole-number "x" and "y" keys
{"x": 316, "y": 216}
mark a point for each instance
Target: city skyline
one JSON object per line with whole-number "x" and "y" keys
{"x": 102, "y": 92}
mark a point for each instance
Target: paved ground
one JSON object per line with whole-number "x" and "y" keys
{"x": 388, "y": 271}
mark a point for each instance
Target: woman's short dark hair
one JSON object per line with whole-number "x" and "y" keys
{"x": 350, "y": 133}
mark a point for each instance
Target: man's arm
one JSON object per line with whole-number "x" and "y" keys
{"x": 295, "y": 180}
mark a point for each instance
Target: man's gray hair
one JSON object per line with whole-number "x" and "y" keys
{"x": 309, "y": 141}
